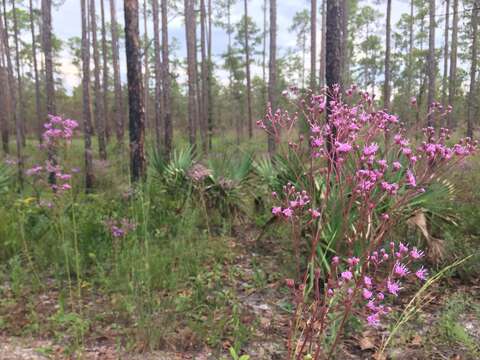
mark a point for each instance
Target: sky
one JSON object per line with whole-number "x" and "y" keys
{"x": 67, "y": 24}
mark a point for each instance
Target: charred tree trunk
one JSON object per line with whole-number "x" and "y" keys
{"x": 48, "y": 55}
{"x": 98, "y": 101}
{"x": 473, "y": 71}
{"x": 105, "y": 73}
{"x": 4, "y": 93}
{"x": 191, "y": 69}
{"x": 135, "y": 91}
{"x": 432, "y": 66}
{"x": 272, "y": 71}
{"x": 49, "y": 79}
{"x": 452, "y": 86}
{"x": 87, "y": 114}
{"x": 118, "y": 106}
{"x": 313, "y": 45}
{"x": 333, "y": 44}
{"x": 344, "y": 41}
{"x": 247, "y": 71}
{"x": 158, "y": 74}
{"x": 386, "y": 86}
{"x": 39, "y": 124}
{"x": 4, "y": 100}
{"x": 167, "y": 113}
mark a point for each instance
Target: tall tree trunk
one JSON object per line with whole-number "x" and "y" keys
{"x": 4, "y": 100}
{"x": 38, "y": 111}
{"x": 452, "y": 86}
{"x": 313, "y": 44}
{"x": 13, "y": 97}
{"x": 21, "y": 105}
{"x": 333, "y": 44}
{"x": 473, "y": 71}
{"x": 209, "y": 77}
{"x": 272, "y": 71}
{"x": 135, "y": 91}
{"x": 204, "y": 73}
{"x": 321, "y": 70}
{"x": 432, "y": 66}
{"x": 166, "y": 82}
{"x": 146, "y": 51}
{"x": 49, "y": 79}
{"x": 87, "y": 114}
{"x": 48, "y": 55}
{"x": 118, "y": 107}
{"x": 191, "y": 69}
{"x": 410, "y": 52}
{"x": 98, "y": 101}
{"x": 199, "y": 123}
{"x": 386, "y": 85}
{"x": 247, "y": 71}
{"x": 344, "y": 42}
{"x": 105, "y": 72}
{"x": 5, "y": 91}
{"x": 158, "y": 74}
{"x": 445, "y": 54}
{"x": 264, "y": 53}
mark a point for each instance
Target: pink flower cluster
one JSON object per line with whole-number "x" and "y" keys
{"x": 58, "y": 128}
{"x": 119, "y": 228}
{"x": 295, "y": 202}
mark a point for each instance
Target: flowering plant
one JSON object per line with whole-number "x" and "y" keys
{"x": 354, "y": 174}
{"x": 58, "y": 133}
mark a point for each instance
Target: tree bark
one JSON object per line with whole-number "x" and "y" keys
{"x": 158, "y": 74}
{"x": 146, "y": 49}
{"x": 386, "y": 85}
{"x": 87, "y": 114}
{"x": 191, "y": 69}
{"x": 313, "y": 44}
{"x": 5, "y": 100}
{"x": 204, "y": 73}
{"x": 98, "y": 101}
{"x": 209, "y": 77}
{"x": 48, "y": 55}
{"x": 344, "y": 41}
{"x": 13, "y": 97}
{"x": 272, "y": 71}
{"x": 135, "y": 91}
{"x": 167, "y": 113}
{"x": 410, "y": 53}
{"x": 21, "y": 104}
{"x": 118, "y": 106}
{"x": 432, "y": 66}
{"x": 473, "y": 71}
{"x": 445, "y": 54}
{"x": 247, "y": 71}
{"x": 38, "y": 110}
{"x": 105, "y": 73}
{"x": 264, "y": 53}
{"x": 333, "y": 44}
{"x": 452, "y": 86}
{"x": 321, "y": 70}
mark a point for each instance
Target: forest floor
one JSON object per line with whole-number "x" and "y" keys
{"x": 447, "y": 328}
